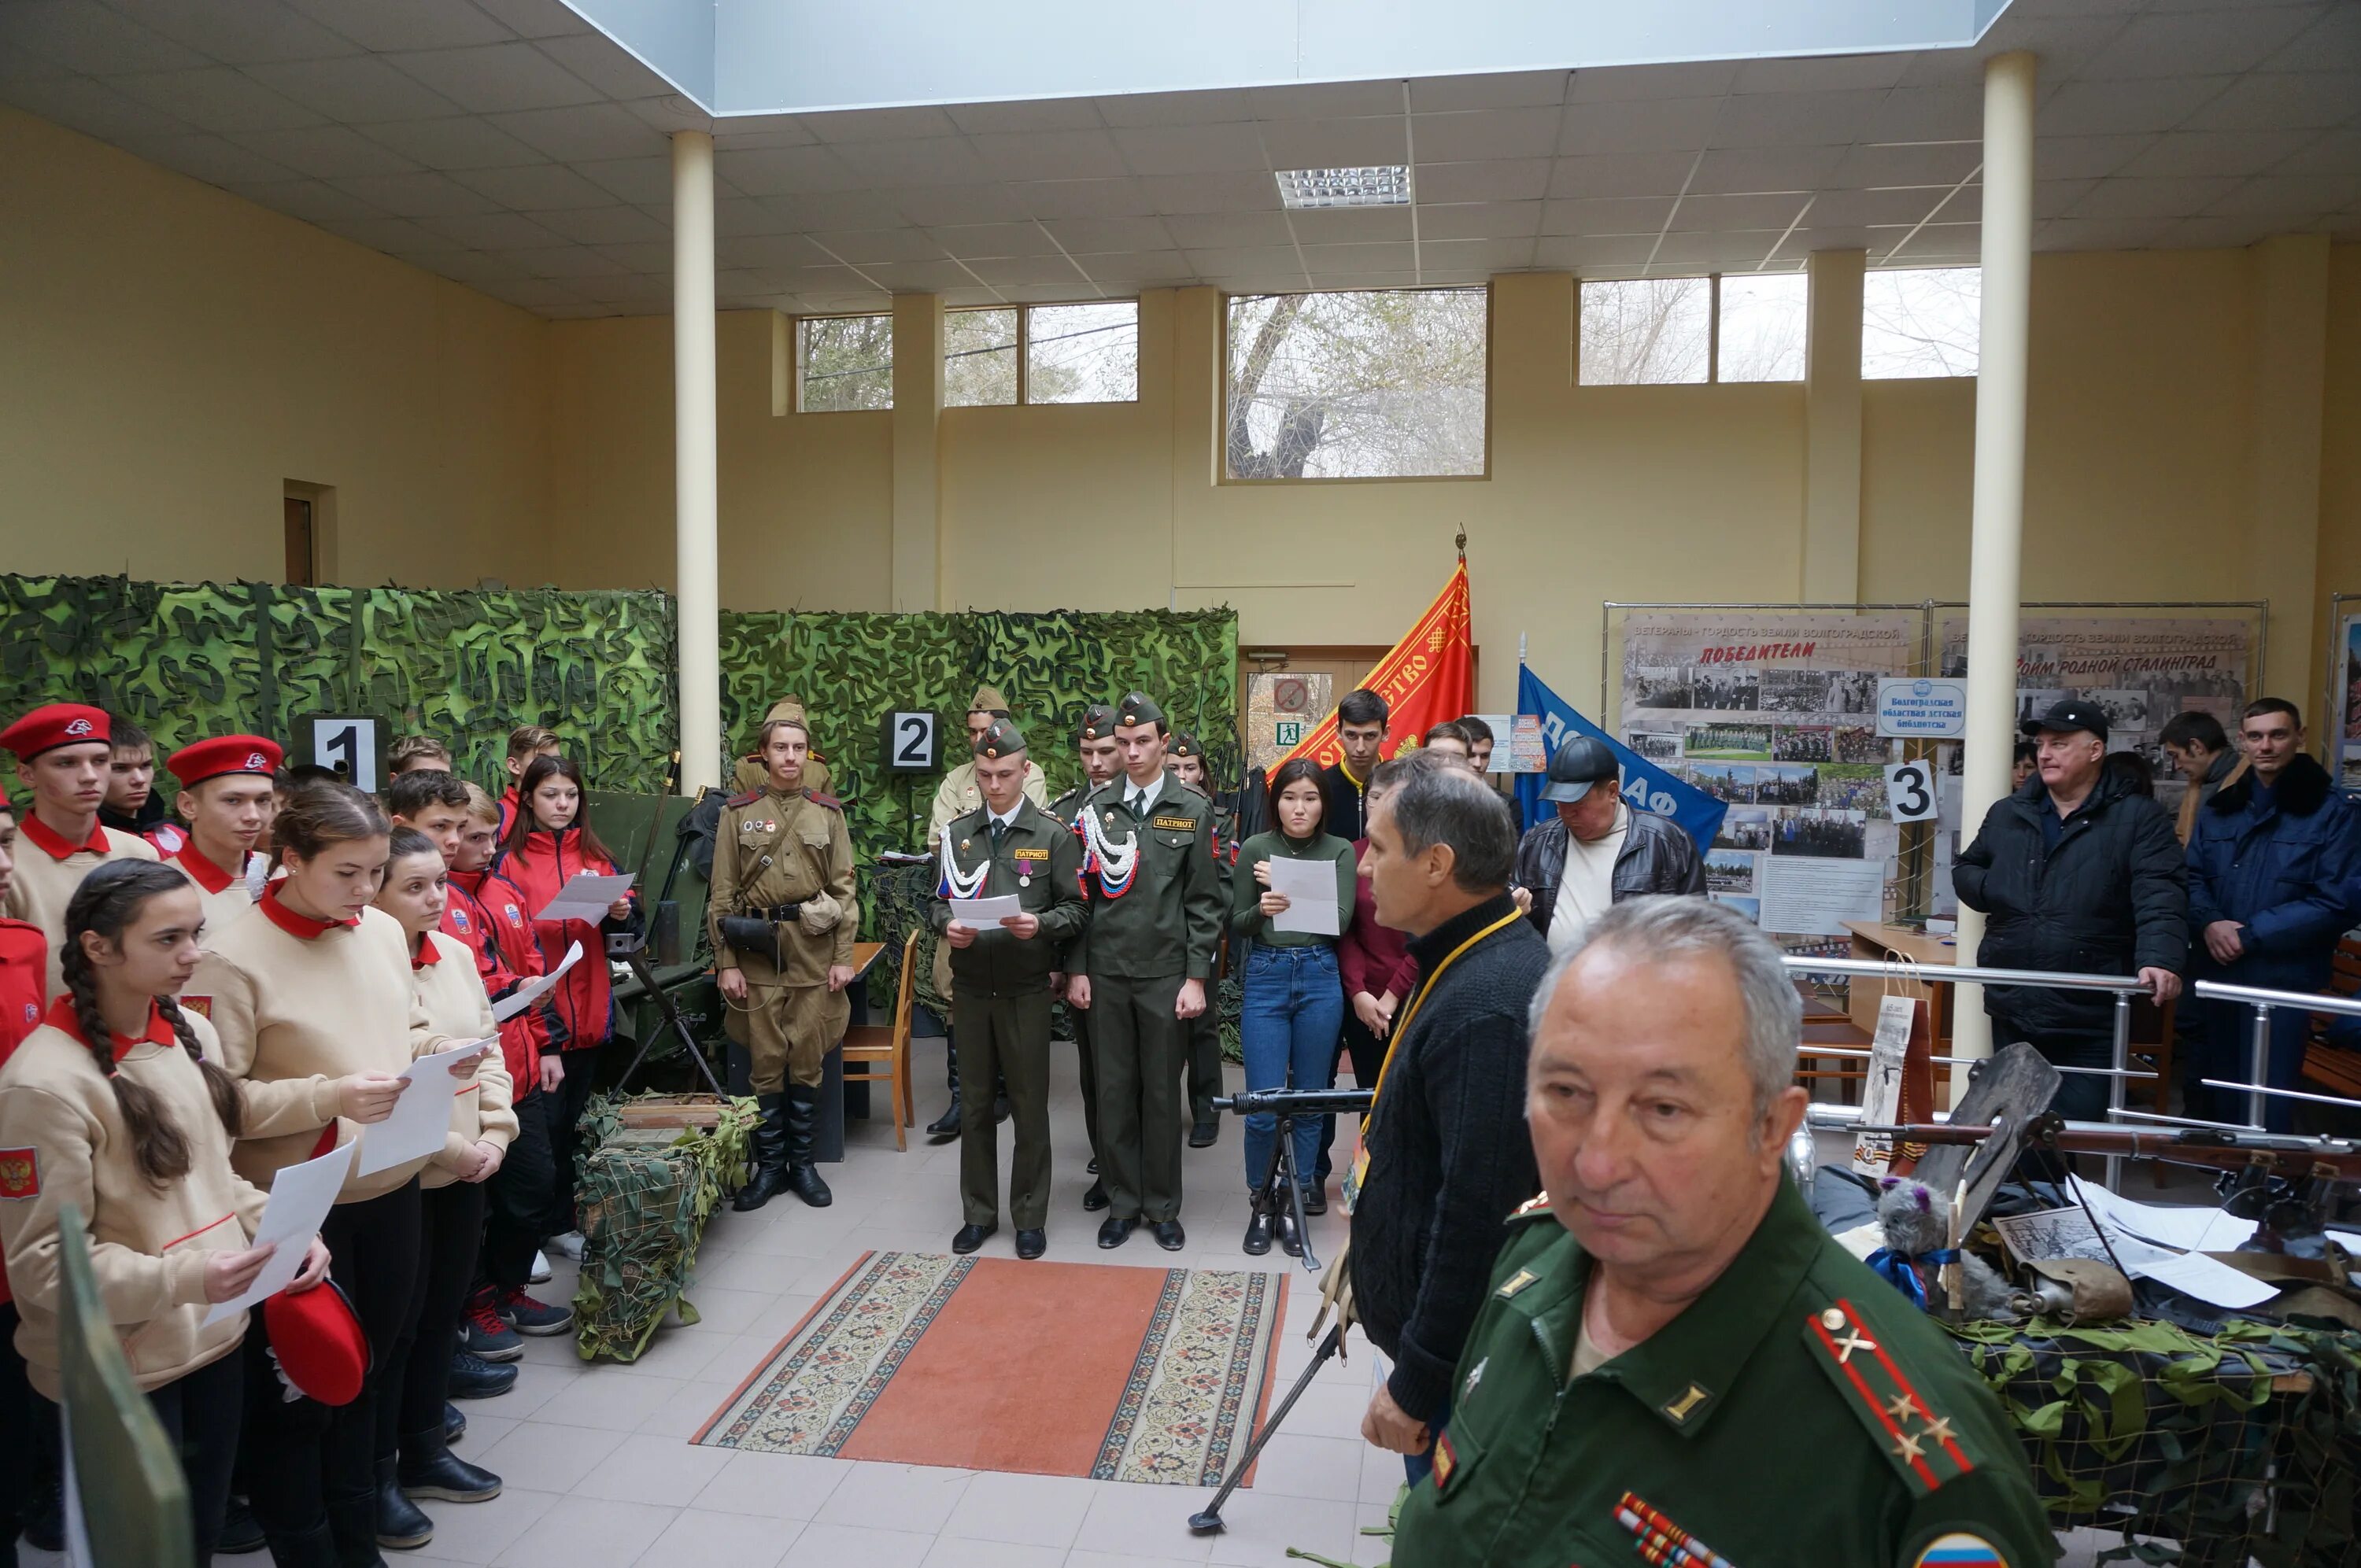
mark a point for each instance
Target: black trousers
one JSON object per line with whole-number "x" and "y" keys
{"x": 302, "y": 1457}
{"x": 199, "y": 1413}
{"x": 516, "y": 1200}
{"x": 450, "y": 1236}
{"x": 1368, "y": 1053}
{"x": 560, "y": 1112}
{"x": 26, "y": 1418}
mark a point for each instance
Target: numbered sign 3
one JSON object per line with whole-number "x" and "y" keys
{"x": 912, "y": 743}
{"x": 1910, "y": 793}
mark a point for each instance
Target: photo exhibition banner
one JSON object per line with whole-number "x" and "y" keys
{"x": 2348, "y": 704}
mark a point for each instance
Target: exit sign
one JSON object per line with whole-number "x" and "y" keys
{"x": 1289, "y": 732}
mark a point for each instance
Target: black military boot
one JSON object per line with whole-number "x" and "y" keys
{"x": 314, "y": 1548}
{"x": 946, "y": 1127}
{"x": 770, "y": 1178}
{"x": 400, "y": 1523}
{"x": 353, "y": 1525}
{"x": 429, "y": 1469}
{"x": 803, "y": 1121}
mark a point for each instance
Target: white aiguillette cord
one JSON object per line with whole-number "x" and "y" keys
{"x": 962, "y": 884}
{"x": 1114, "y": 864}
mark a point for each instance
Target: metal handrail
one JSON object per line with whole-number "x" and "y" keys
{"x": 2259, "y": 1052}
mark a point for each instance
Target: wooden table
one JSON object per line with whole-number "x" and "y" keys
{"x": 1873, "y": 941}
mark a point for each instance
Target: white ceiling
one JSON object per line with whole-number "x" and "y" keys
{"x": 507, "y": 144}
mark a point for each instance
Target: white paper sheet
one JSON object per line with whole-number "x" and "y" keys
{"x": 301, "y": 1197}
{"x": 534, "y": 990}
{"x": 585, "y": 896}
{"x": 2194, "y": 1274}
{"x": 1310, "y": 889}
{"x": 421, "y": 1117}
{"x": 2184, "y": 1226}
{"x": 2135, "y": 1228}
{"x": 983, "y": 913}
{"x": 1806, "y": 895}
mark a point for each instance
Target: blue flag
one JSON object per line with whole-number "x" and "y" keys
{"x": 1645, "y": 785}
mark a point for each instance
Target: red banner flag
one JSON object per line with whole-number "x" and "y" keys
{"x": 1426, "y": 678}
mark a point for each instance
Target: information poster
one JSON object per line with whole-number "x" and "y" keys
{"x": 1281, "y": 709}
{"x": 2349, "y": 691}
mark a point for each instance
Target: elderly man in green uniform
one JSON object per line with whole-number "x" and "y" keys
{"x": 783, "y": 914}
{"x": 1101, "y": 761}
{"x": 1186, "y": 758}
{"x": 1143, "y": 966}
{"x": 1007, "y": 847}
{"x": 1669, "y": 1320}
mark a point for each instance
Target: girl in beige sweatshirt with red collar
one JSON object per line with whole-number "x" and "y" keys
{"x": 113, "y": 1107}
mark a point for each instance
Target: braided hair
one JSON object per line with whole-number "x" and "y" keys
{"x": 108, "y": 900}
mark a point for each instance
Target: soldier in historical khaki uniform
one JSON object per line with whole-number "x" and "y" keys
{"x": 1186, "y": 758}
{"x": 1101, "y": 762}
{"x": 1144, "y": 967}
{"x": 999, "y": 978}
{"x": 783, "y": 916}
{"x": 1676, "y": 1363}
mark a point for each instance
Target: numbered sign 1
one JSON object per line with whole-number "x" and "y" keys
{"x": 1910, "y": 793}
{"x": 912, "y": 743}
{"x": 353, "y": 745}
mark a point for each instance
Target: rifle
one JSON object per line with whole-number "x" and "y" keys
{"x": 2284, "y": 1155}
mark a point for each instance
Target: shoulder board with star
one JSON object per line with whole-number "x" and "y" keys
{"x": 1916, "y": 1440}
{"x": 818, "y": 797}
{"x": 1197, "y": 790}
{"x": 748, "y": 798}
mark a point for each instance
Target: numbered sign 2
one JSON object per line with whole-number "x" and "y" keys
{"x": 1910, "y": 793}
{"x": 354, "y": 745}
{"x": 912, "y": 743}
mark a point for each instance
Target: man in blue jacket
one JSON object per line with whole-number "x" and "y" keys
{"x": 2273, "y": 881}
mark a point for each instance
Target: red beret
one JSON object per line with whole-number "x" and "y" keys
{"x": 317, "y": 1341}
{"x": 54, "y": 725}
{"x": 204, "y": 760}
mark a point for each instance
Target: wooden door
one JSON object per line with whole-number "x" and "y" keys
{"x": 303, "y": 571}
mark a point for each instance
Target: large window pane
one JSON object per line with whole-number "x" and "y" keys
{"x": 1920, "y": 321}
{"x": 979, "y": 358}
{"x": 1762, "y": 335}
{"x": 1385, "y": 384}
{"x": 1650, "y": 331}
{"x": 1082, "y": 354}
{"x": 845, "y": 362}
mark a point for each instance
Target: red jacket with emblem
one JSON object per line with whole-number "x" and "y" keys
{"x": 24, "y": 964}
{"x": 582, "y": 1007}
{"x": 522, "y": 1036}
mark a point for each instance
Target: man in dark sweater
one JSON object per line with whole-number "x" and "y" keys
{"x": 1343, "y": 784}
{"x": 1447, "y": 1158}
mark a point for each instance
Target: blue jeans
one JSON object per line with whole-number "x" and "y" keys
{"x": 1287, "y": 1027}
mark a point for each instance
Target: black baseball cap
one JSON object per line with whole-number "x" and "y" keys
{"x": 1583, "y": 761}
{"x": 2074, "y": 713}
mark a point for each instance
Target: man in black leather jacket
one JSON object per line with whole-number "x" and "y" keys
{"x": 1655, "y": 853}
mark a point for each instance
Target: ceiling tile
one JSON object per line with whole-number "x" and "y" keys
{"x": 1078, "y": 292}
{"x": 2056, "y": 197}
{"x": 374, "y": 25}
{"x": 234, "y": 32}
{"x": 1323, "y": 100}
{"x": 326, "y": 152}
{"x": 760, "y": 131}
{"x": 1088, "y": 154}
{"x": 1228, "y": 231}
{"x": 2218, "y": 232}
{"x": 462, "y": 143}
{"x": 355, "y": 90}
{"x": 79, "y": 103}
{"x": 1765, "y": 169}
{"x": 393, "y": 236}
{"x": 2289, "y": 195}
{"x": 1017, "y": 271}
{"x": 2338, "y": 152}
{"x": 1696, "y": 211}
{"x": 1470, "y": 135}
{"x": 1272, "y": 258}
{"x": 774, "y": 250}
{"x": 740, "y": 215}
{"x": 1476, "y": 255}
{"x": 1478, "y": 220}
{"x": 1620, "y": 84}
{"x": 497, "y": 78}
{"x": 777, "y": 171}
{"x": 536, "y": 18}
{"x": 473, "y": 268}
{"x": 216, "y": 161}
{"x": 1923, "y": 163}
{"x": 918, "y": 123}
{"x": 2232, "y": 39}
{"x": 603, "y": 225}
{"x": 1795, "y": 119}
{"x": 492, "y": 231}
{"x": 76, "y": 36}
{"x": 898, "y": 165}
{"x": 2096, "y": 233}
{"x": 1135, "y": 268}
{"x": 1167, "y": 194}
{"x": 646, "y": 181}
{"x": 861, "y": 247}
{"x": 919, "y": 276}
{"x": 1928, "y": 114}
{"x": 1329, "y": 144}
{"x": 626, "y": 289}
{"x": 2283, "y": 101}
{"x": 1661, "y": 125}
{"x": 531, "y": 293}
{"x": 1828, "y": 236}
{"x": 603, "y": 63}
{"x": 2086, "y": 158}
{"x": 1342, "y": 226}
{"x": 315, "y": 202}
{"x": 1394, "y": 257}
{"x": 1095, "y": 235}
{"x": 586, "y": 133}
{"x": 2114, "y": 108}
{"x": 968, "y": 241}
{"x": 2215, "y": 152}
{"x": 1494, "y": 180}
{"x": 1586, "y": 250}
{"x": 997, "y": 204}
{"x": 1173, "y": 108}
{"x": 1628, "y": 174}
{"x": 2126, "y": 198}
{"x": 537, "y": 187}
{"x": 1494, "y": 90}
{"x": 565, "y": 261}
{"x": 1607, "y": 215}
{"x": 2333, "y": 43}
{"x": 818, "y": 210}
{"x": 1189, "y": 149}
{"x": 416, "y": 195}
{"x": 1734, "y": 244}
{"x": 1826, "y": 74}
{"x": 641, "y": 255}
{"x": 1047, "y": 114}
{"x": 215, "y": 98}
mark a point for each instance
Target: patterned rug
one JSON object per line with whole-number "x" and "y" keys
{"x": 1151, "y": 1375}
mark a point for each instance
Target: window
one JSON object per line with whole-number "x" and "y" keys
{"x": 1383, "y": 384}
{"x": 1662, "y": 331}
{"x": 844, "y": 362}
{"x": 1921, "y": 321}
{"x": 1042, "y": 354}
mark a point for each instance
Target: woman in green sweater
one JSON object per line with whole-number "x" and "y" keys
{"x": 1294, "y": 1004}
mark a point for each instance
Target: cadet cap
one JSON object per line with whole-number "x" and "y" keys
{"x": 988, "y": 700}
{"x": 1002, "y": 739}
{"x": 1098, "y": 723}
{"x": 1185, "y": 745}
{"x": 223, "y": 754}
{"x": 1138, "y": 708}
{"x": 53, "y": 725}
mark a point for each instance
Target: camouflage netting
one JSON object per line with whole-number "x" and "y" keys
{"x": 645, "y": 1196}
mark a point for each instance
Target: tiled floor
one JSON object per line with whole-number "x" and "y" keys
{"x": 600, "y": 1471}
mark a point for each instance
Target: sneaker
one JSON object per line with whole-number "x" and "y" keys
{"x": 539, "y": 1273}
{"x": 473, "y": 1377}
{"x": 528, "y": 1316}
{"x": 484, "y": 1332}
{"x": 567, "y": 1246}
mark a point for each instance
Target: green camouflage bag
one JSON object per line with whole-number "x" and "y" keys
{"x": 644, "y": 1195}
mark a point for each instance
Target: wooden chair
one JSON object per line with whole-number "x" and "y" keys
{"x": 2335, "y": 1069}
{"x": 888, "y": 1045}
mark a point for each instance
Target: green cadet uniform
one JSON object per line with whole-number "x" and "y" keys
{"x": 1146, "y": 936}
{"x": 1801, "y": 1410}
{"x": 1098, "y": 723}
{"x": 1205, "y": 1028}
{"x": 1000, "y": 987}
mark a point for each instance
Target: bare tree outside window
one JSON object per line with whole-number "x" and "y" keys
{"x": 1921, "y": 321}
{"x": 1646, "y": 332}
{"x": 979, "y": 358}
{"x": 1762, "y": 326}
{"x": 844, "y": 363}
{"x": 1382, "y": 384}
{"x": 1082, "y": 354}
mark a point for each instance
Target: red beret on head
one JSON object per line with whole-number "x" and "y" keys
{"x": 54, "y": 725}
{"x": 317, "y": 1340}
{"x": 223, "y": 754}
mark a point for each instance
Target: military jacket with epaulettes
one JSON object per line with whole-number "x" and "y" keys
{"x": 1801, "y": 1410}
{"x": 1040, "y": 861}
{"x": 1168, "y": 919}
{"x": 770, "y": 851}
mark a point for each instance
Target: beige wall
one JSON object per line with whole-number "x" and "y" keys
{"x": 171, "y": 355}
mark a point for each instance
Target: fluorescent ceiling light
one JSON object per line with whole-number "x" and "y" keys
{"x": 1376, "y": 185}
